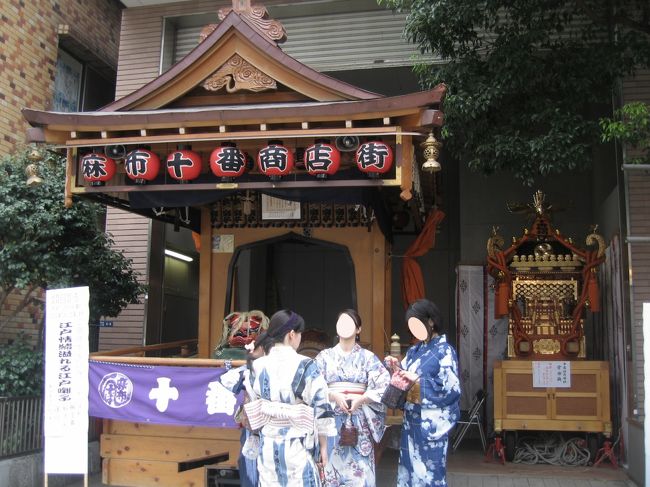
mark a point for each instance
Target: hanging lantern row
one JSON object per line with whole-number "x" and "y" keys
{"x": 227, "y": 162}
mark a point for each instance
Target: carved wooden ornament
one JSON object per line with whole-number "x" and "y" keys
{"x": 238, "y": 74}
{"x": 256, "y": 16}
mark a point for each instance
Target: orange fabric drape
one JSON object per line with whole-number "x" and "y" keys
{"x": 412, "y": 280}
{"x": 197, "y": 241}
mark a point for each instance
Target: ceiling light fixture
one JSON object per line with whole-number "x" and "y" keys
{"x": 178, "y": 255}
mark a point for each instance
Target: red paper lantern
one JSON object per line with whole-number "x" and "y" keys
{"x": 184, "y": 165}
{"x": 322, "y": 159}
{"x": 97, "y": 168}
{"x": 275, "y": 160}
{"x": 374, "y": 158}
{"x": 142, "y": 165}
{"x": 227, "y": 162}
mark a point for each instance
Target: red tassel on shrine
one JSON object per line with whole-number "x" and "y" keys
{"x": 501, "y": 297}
{"x": 593, "y": 293}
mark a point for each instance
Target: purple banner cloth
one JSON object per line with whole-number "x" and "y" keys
{"x": 163, "y": 395}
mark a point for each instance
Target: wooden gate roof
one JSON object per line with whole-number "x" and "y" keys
{"x": 199, "y": 101}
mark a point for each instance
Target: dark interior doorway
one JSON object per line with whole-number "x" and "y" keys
{"x": 312, "y": 277}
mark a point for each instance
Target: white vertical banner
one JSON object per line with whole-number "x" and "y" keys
{"x": 646, "y": 385}
{"x": 496, "y": 344}
{"x": 65, "y": 422}
{"x": 470, "y": 323}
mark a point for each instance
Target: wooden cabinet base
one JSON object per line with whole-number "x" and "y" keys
{"x": 149, "y": 455}
{"x": 583, "y": 407}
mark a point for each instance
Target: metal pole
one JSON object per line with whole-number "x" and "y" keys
{"x": 632, "y": 239}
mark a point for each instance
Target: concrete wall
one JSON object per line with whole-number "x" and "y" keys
{"x": 27, "y": 470}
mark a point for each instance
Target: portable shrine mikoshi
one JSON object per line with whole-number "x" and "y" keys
{"x": 544, "y": 285}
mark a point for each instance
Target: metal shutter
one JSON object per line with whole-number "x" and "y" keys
{"x": 337, "y": 42}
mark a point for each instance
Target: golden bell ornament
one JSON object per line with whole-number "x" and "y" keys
{"x": 32, "y": 177}
{"x": 35, "y": 155}
{"x": 431, "y": 150}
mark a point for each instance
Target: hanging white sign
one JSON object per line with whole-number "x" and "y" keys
{"x": 66, "y": 381}
{"x": 551, "y": 374}
{"x": 279, "y": 209}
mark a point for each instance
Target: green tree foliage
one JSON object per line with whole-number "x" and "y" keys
{"x": 21, "y": 369}
{"x": 525, "y": 76}
{"x": 45, "y": 245}
{"x": 631, "y": 125}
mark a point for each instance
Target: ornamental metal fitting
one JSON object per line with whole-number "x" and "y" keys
{"x": 33, "y": 178}
{"x": 431, "y": 151}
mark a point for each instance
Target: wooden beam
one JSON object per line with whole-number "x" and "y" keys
{"x": 71, "y": 154}
{"x": 378, "y": 280}
{"x": 350, "y": 183}
{"x": 244, "y": 135}
{"x": 190, "y": 362}
{"x": 205, "y": 280}
{"x": 408, "y": 157}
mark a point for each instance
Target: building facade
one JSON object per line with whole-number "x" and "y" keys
{"x": 57, "y": 56}
{"x": 155, "y": 35}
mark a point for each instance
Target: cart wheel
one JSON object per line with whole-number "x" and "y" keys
{"x": 593, "y": 443}
{"x": 509, "y": 443}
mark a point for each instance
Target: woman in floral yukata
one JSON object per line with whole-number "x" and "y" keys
{"x": 290, "y": 407}
{"x": 356, "y": 379}
{"x": 431, "y": 408}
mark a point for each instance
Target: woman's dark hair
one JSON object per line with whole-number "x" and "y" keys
{"x": 282, "y": 322}
{"x": 355, "y": 317}
{"x": 427, "y": 312}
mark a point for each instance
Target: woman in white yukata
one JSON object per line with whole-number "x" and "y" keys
{"x": 237, "y": 381}
{"x": 290, "y": 407}
{"x": 356, "y": 379}
{"x": 431, "y": 408}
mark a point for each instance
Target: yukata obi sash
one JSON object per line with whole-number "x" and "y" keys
{"x": 299, "y": 417}
{"x": 347, "y": 387}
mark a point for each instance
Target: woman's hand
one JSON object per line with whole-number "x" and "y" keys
{"x": 340, "y": 400}
{"x": 357, "y": 402}
{"x": 324, "y": 458}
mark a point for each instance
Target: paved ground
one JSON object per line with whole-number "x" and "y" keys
{"x": 468, "y": 468}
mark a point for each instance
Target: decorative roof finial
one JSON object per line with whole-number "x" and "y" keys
{"x": 538, "y": 201}
{"x": 256, "y": 16}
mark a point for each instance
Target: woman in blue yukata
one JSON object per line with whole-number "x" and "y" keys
{"x": 290, "y": 408}
{"x": 356, "y": 379}
{"x": 431, "y": 408}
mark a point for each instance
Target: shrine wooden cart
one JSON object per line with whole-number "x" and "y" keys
{"x": 238, "y": 90}
{"x": 545, "y": 282}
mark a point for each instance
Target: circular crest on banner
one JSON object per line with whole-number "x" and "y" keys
{"x": 116, "y": 390}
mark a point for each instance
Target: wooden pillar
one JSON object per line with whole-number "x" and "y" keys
{"x": 205, "y": 285}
